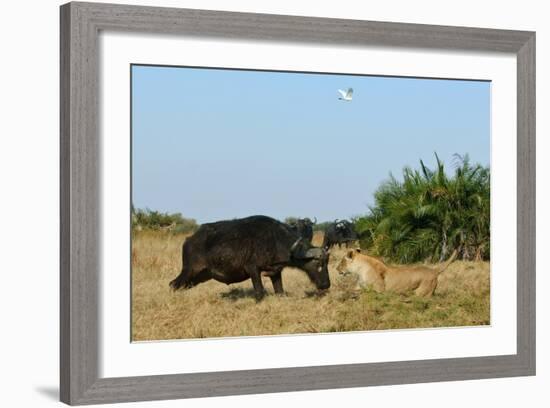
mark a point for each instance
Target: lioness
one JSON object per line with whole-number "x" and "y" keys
{"x": 400, "y": 279}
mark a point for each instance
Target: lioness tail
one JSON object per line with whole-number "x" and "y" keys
{"x": 449, "y": 261}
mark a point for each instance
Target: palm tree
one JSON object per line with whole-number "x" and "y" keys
{"x": 429, "y": 214}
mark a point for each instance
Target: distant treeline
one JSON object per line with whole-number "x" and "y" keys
{"x": 156, "y": 220}
{"x": 425, "y": 217}
{"x": 428, "y": 215}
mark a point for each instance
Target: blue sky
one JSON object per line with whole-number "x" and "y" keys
{"x": 218, "y": 144}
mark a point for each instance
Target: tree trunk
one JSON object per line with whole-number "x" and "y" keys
{"x": 443, "y": 254}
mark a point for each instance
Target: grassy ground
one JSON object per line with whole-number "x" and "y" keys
{"x": 213, "y": 309}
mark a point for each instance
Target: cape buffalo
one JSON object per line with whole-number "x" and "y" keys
{"x": 303, "y": 227}
{"x": 237, "y": 250}
{"x": 339, "y": 232}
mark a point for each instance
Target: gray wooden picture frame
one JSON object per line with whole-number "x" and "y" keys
{"x": 80, "y": 192}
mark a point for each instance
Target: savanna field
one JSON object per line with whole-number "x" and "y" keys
{"x": 213, "y": 309}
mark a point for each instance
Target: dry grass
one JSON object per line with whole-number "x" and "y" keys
{"x": 213, "y": 309}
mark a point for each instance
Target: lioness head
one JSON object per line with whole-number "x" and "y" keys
{"x": 343, "y": 267}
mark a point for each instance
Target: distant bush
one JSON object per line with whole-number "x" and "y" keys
{"x": 321, "y": 226}
{"x": 156, "y": 220}
{"x": 290, "y": 220}
{"x": 428, "y": 215}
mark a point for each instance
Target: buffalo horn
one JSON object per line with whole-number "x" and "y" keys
{"x": 293, "y": 247}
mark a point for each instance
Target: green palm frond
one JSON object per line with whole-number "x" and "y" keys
{"x": 430, "y": 213}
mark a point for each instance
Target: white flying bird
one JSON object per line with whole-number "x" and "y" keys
{"x": 347, "y": 95}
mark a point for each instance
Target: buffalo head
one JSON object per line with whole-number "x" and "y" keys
{"x": 313, "y": 261}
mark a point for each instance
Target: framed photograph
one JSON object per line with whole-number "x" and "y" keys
{"x": 259, "y": 203}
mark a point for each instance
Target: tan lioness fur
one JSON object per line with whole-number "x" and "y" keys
{"x": 400, "y": 279}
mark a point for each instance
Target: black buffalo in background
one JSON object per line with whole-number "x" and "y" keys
{"x": 303, "y": 227}
{"x": 236, "y": 250}
{"x": 339, "y": 232}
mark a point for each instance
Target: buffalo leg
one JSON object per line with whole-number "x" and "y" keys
{"x": 277, "y": 282}
{"x": 180, "y": 281}
{"x": 184, "y": 281}
{"x": 202, "y": 276}
{"x": 256, "y": 282}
